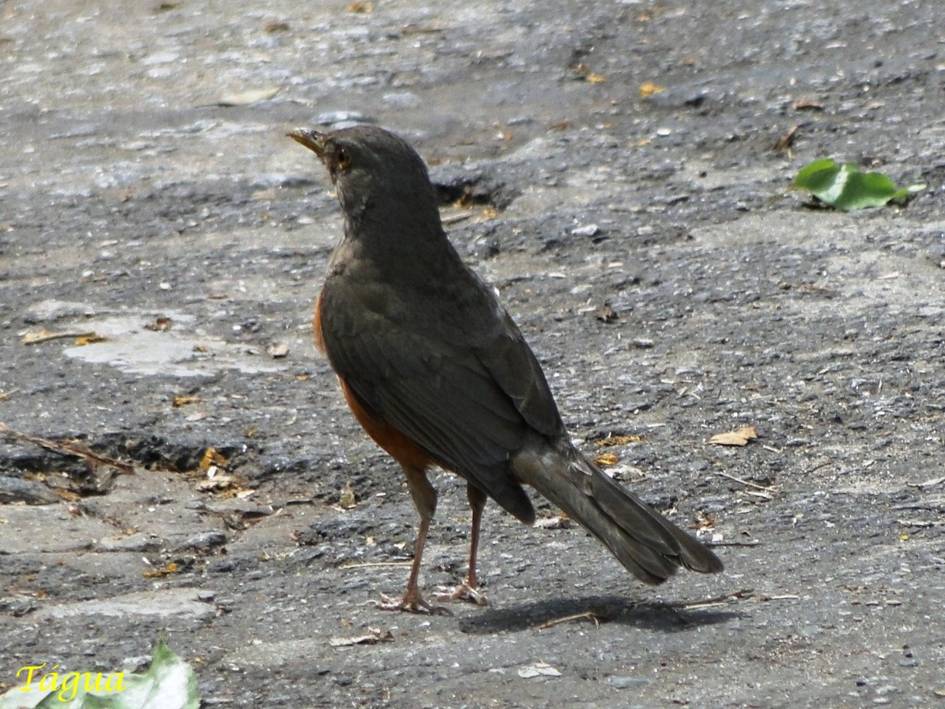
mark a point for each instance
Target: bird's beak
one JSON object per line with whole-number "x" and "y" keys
{"x": 311, "y": 139}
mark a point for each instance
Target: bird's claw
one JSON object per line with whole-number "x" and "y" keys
{"x": 462, "y": 592}
{"x": 410, "y": 603}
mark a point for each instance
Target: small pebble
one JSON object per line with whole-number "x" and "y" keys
{"x": 204, "y": 540}
{"x": 587, "y": 230}
{"x": 627, "y": 682}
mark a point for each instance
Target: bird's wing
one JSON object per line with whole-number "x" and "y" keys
{"x": 470, "y": 407}
{"x": 514, "y": 367}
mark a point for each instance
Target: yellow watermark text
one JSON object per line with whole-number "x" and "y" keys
{"x": 67, "y": 684}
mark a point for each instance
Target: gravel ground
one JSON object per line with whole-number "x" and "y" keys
{"x": 648, "y": 246}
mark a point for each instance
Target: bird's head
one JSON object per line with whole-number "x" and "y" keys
{"x": 371, "y": 168}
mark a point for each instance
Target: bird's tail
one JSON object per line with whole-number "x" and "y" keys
{"x": 646, "y": 543}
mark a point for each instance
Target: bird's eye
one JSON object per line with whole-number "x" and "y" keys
{"x": 342, "y": 159}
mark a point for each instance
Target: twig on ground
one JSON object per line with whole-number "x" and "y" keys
{"x": 918, "y": 522}
{"x": 928, "y": 483}
{"x": 722, "y": 600}
{"x": 35, "y": 339}
{"x": 91, "y": 457}
{"x": 369, "y": 564}
{"x": 747, "y": 483}
{"x": 454, "y": 218}
{"x": 817, "y": 467}
{"x": 586, "y": 615}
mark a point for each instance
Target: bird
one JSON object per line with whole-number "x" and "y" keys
{"x": 438, "y": 374}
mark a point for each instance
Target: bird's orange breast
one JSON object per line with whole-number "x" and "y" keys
{"x": 403, "y": 450}
{"x": 317, "y": 325}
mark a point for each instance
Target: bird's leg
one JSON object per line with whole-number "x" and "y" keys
{"x": 477, "y": 501}
{"x": 424, "y": 499}
{"x": 412, "y": 601}
{"x": 468, "y": 590}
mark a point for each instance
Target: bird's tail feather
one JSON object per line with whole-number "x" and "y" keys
{"x": 646, "y": 543}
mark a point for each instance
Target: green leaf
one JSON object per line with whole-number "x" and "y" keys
{"x": 817, "y": 176}
{"x": 169, "y": 683}
{"x": 846, "y": 187}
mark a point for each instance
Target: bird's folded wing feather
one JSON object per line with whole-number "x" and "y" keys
{"x": 469, "y": 406}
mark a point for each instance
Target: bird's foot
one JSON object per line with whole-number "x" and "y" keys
{"x": 463, "y": 592}
{"x": 410, "y": 603}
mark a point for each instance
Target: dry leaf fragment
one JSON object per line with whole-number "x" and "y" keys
{"x": 561, "y": 521}
{"x": 648, "y": 88}
{"x": 617, "y": 440}
{"x": 88, "y": 339}
{"x": 184, "y": 400}
{"x": 606, "y": 460}
{"x": 277, "y": 350}
{"x": 248, "y": 97}
{"x": 347, "y": 499}
{"x": 217, "y": 483}
{"x": 739, "y": 437}
{"x": 360, "y": 7}
{"x": 212, "y": 457}
{"x": 276, "y": 26}
{"x": 705, "y": 520}
{"x": 374, "y": 636}
{"x": 160, "y": 324}
{"x": 487, "y": 214}
{"x": 606, "y": 313}
{"x": 807, "y": 104}
{"x": 166, "y": 570}
{"x": 783, "y": 144}
{"x": 583, "y": 71}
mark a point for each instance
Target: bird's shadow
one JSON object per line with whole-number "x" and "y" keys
{"x": 653, "y": 615}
